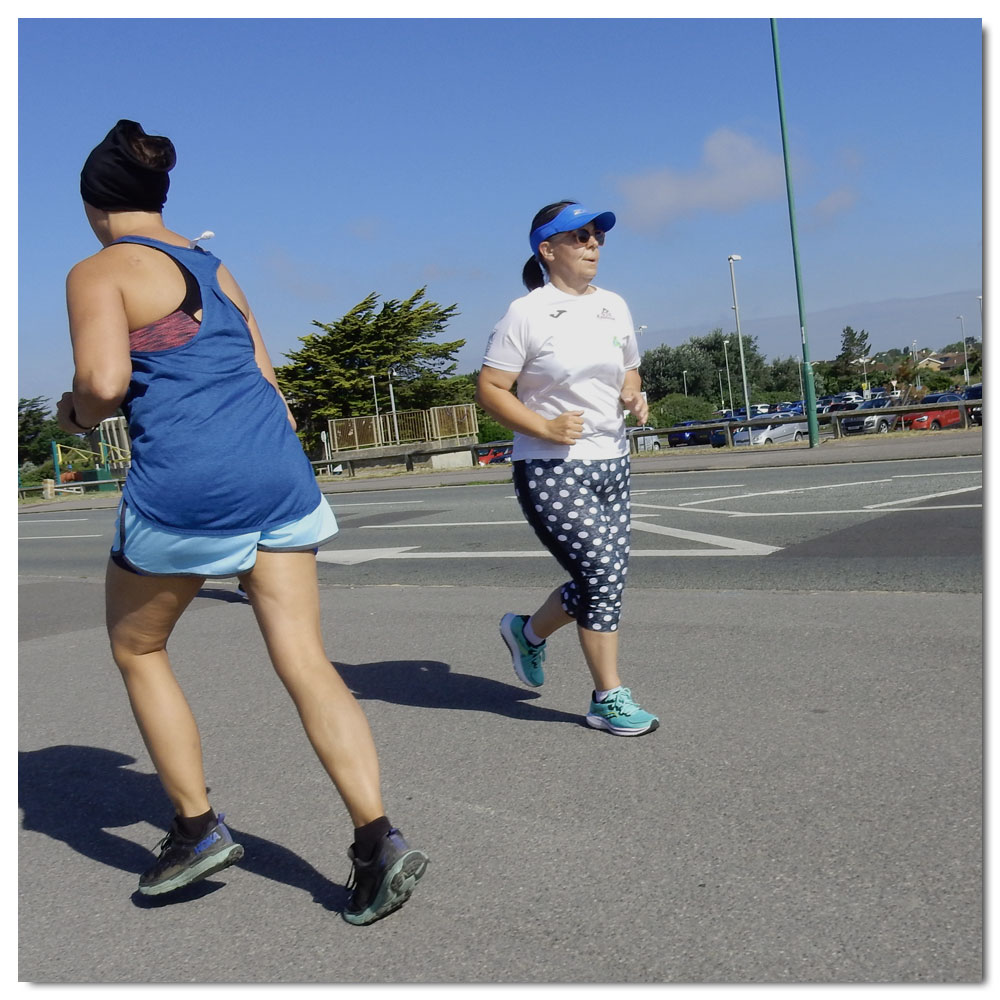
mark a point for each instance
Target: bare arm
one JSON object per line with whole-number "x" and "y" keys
{"x": 494, "y": 396}
{"x": 632, "y": 397}
{"x": 98, "y": 330}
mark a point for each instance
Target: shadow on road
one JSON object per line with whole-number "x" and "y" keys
{"x": 433, "y": 684}
{"x": 79, "y": 794}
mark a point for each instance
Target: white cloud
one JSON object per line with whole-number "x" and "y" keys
{"x": 735, "y": 171}
{"x": 835, "y": 203}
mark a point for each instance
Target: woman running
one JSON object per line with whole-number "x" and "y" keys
{"x": 161, "y": 329}
{"x": 570, "y": 347}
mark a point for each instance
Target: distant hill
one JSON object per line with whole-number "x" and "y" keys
{"x": 930, "y": 321}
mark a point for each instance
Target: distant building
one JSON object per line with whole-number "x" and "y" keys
{"x": 943, "y": 362}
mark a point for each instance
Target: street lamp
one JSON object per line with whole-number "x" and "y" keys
{"x": 392, "y": 403}
{"x": 729, "y": 378}
{"x": 722, "y": 395}
{"x": 739, "y": 340}
{"x": 864, "y": 367}
{"x": 684, "y": 374}
{"x": 641, "y": 330}
{"x": 965, "y": 347}
{"x": 916, "y": 370}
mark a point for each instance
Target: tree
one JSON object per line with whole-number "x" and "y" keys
{"x": 36, "y": 430}
{"x": 782, "y": 377}
{"x": 330, "y": 376}
{"x": 704, "y": 359}
{"x": 843, "y": 372}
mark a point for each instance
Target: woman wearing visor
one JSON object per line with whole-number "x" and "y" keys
{"x": 570, "y": 347}
{"x": 160, "y": 328}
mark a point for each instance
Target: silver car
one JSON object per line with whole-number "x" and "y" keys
{"x": 764, "y": 433}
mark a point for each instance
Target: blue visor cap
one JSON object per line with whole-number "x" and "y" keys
{"x": 570, "y": 218}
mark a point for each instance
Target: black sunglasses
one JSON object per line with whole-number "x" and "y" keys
{"x": 584, "y": 236}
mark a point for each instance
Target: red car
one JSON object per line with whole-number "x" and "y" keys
{"x": 935, "y": 418}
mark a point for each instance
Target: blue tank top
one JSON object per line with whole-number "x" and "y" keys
{"x": 213, "y": 452}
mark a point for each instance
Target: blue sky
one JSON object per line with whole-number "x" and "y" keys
{"x": 333, "y": 158}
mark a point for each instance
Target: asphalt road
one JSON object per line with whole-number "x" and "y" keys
{"x": 810, "y": 811}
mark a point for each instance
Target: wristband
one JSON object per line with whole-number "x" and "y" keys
{"x": 73, "y": 420}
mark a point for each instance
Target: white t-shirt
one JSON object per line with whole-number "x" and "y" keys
{"x": 570, "y": 352}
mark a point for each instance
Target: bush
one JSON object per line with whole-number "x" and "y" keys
{"x": 30, "y": 474}
{"x": 491, "y": 430}
{"x": 676, "y": 407}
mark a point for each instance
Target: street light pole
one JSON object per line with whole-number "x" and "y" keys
{"x": 965, "y": 347}
{"x": 378, "y": 423}
{"x": 864, "y": 367}
{"x": 729, "y": 378}
{"x": 722, "y": 395}
{"x": 392, "y": 403}
{"x": 684, "y": 374}
{"x": 739, "y": 340}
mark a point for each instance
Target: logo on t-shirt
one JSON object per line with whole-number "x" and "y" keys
{"x": 616, "y": 342}
{"x": 557, "y": 313}
{"x": 605, "y": 313}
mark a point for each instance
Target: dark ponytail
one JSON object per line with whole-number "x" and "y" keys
{"x": 532, "y": 275}
{"x": 533, "y": 272}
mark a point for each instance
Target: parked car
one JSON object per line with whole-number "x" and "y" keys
{"x": 718, "y": 437}
{"x": 643, "y": 441}
{"x": 789, "y": 409}
{"x": 688, "y": 432}
{"x": 864, "y": 421}
{"x": 975, "y": 413}
{"x": 495, "y": 454}
{"x": 767, "y": 433}
{"x": 849, "y": 397}
{"x": 937, "y": 415}
{"x": 836, "y": 407}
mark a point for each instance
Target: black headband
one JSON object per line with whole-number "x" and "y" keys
{"x": 116, "y": 180}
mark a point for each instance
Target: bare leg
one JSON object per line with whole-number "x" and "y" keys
{"x": 141, "y": 613}
{"x": 284, "y": 594}
{"x": 550, "y": 616}
{"x": 600, "y": 650}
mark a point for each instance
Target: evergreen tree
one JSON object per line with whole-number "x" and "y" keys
{"x": 37, "y": 429}
{"x": 330, "y": 376}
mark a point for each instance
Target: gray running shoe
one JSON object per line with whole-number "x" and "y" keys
{"x": 183, "y": 861}
{"x": 384, "y": 883}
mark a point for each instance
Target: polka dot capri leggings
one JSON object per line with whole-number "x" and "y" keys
{"x": 580, "y": 512}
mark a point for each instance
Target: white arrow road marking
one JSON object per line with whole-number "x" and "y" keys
{"x": 351, "y": 557}
{"x": 724, "y": 546}
{"x": 720, "y": 546}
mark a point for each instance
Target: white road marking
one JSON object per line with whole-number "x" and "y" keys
{"x": 775, "y": 493}
{"x": 373, "y": 503}
{"x": 725, "y": 546}
{"x": 35, "y": 538}
{"x": 54, "y": 520}
{"x": 861, "y": 510}
{"x": 928, "y": 496}
{"x": 351, "y": 557}
{"x": 441, "y": 524}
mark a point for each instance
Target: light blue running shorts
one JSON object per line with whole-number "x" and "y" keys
{"x": 142, "y": 547}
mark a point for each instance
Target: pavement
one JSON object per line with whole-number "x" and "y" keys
{"x": 809, "y": 812}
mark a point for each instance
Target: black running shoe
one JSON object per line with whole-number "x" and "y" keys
{"x": 384, "y": 883}
{"x": 183, "y": 861}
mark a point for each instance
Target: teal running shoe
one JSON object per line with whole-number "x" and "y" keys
{"x": 384, "y": 883}
{"x": 619, "y": 714}
{"x": 527, "y": 658}
{"x": 183, "y": 861}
